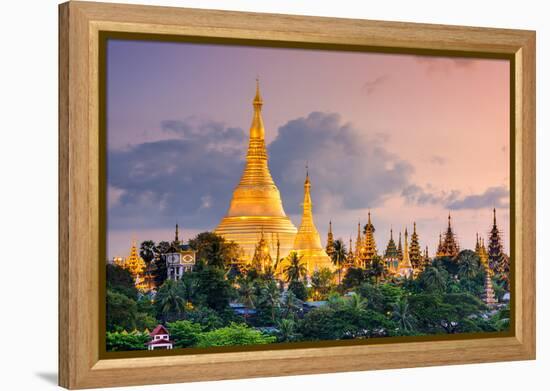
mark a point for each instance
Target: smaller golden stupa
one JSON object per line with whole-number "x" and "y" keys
{"x": 308, "y": 242}
{"x": 405, "y": 268}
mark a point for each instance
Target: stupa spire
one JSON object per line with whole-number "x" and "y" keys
{"x": 330, "y": 240}
{"x": 369, "y": 243}
{"x": 405, "y": 267}
{"x": 257, "y": 128}
{"x": 358, "y": 243}
{"x": 256, "y": 200}
{"x": 308, "y": 243}
{"x": 415, "y": 253}
{"x": 449, "y": 247}
{"x": 399, "y": 248}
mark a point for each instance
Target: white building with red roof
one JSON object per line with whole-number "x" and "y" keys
{"x": 160, "y": 339}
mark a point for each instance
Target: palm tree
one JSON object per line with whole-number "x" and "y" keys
{"x": 339, "y": 256}
{"x": 377, "y": 269}
{"x": 270, "y": 295}
{"x": 171, "y": 302}
{"x": 286, "y": 330}
{"x": 335, "y": 300}
{"x": 291, "y": 303}
{"x": 246, "y": 293}
{"x": 434, "y": 279}
{"x": 356, "y": 303}
{"x": 468, "y": 264}
{"x": 147, "y": 251}
{"x": 188, "y": 288}
{"x": 295, "y": 270}
{"x": 321, "y": 282}
{"x": 402, "y": 316}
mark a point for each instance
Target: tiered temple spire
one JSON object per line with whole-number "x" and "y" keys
{"x": 350, "y": 258}
{"x": 330, "y": 240}
{"x": 449, "y": 246}
{"x": 481, "y": 252}
{"x": 488, "y": 295}
{"x": 307, "y": 242}
{"x": 261, "y": 260}
{"x": 400, "y": 248}
{"x": 370, "y": 250}
{"x": 134, "y": 263}
{"x": 415, "y": 254}
{"x": 358, "y": 244}
{"x": 497, "y": 260}
{"x": 391, "y": 255}
{"x": 405, "y": 267}
{"x": 256, "y": 203}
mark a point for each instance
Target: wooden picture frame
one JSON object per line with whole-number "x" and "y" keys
{"x": 80, "y": 24}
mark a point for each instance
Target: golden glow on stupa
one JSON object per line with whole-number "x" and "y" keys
{"x": 308, "y": 243}
{"x": 256, "y": 205}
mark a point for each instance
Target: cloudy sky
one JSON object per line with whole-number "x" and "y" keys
{"x": 408, "y": 137}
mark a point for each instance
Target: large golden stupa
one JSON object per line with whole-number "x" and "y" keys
{"x": 256, "y": 208}
{"x": 308, "y": 242}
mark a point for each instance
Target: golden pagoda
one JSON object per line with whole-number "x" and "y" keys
{"x": 488, "y": 295}
{"x": 359, "y": 245}
{"x": 369, "y": 243}
{"x": 391, "y": 255}
{"x": 400, "y": 248}
{"x": 350, "y": 257}
{"x": 405, "y": 268}
{"x": 449, "y": 247}
{"x": 134, "y": 263}
{"x": 262, "y": 259}
{"x": 256, "y": 204}
{"x": 481, "y": 252}
{"x": 307, "y": 242}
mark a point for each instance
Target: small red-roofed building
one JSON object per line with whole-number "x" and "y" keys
{"x": 160, "y": 339}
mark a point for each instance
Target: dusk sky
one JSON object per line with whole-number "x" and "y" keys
{"x": 409, "y": 138}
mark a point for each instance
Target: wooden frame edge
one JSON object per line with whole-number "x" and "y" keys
{"x": 79, "y": 364}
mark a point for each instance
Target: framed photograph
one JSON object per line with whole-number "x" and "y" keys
{"x": 247, "y": 195}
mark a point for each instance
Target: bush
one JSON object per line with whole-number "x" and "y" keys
{"x": 206, "y": 317}
{"x": 184, "y": 333}
{"x": 120, "y": 280}
{"x": 121, "y": 312}
{"x": 299, "y": 289}
{"x": 123, "y": 341}
{"x": 235, "y": 334}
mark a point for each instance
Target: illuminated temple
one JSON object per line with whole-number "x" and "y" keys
{"x": 256, "y": 208}
{"x": 308, "y": 242}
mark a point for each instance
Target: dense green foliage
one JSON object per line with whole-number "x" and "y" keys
{"x": 120, "y": 280}
{"x": 124, "y": 341}
{"x": 234, "y": 334}
{"x": 197, "y": 310}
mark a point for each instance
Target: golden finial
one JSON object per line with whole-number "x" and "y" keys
{"x": 258, "y": 98}
{"x": 257, "y": 128}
